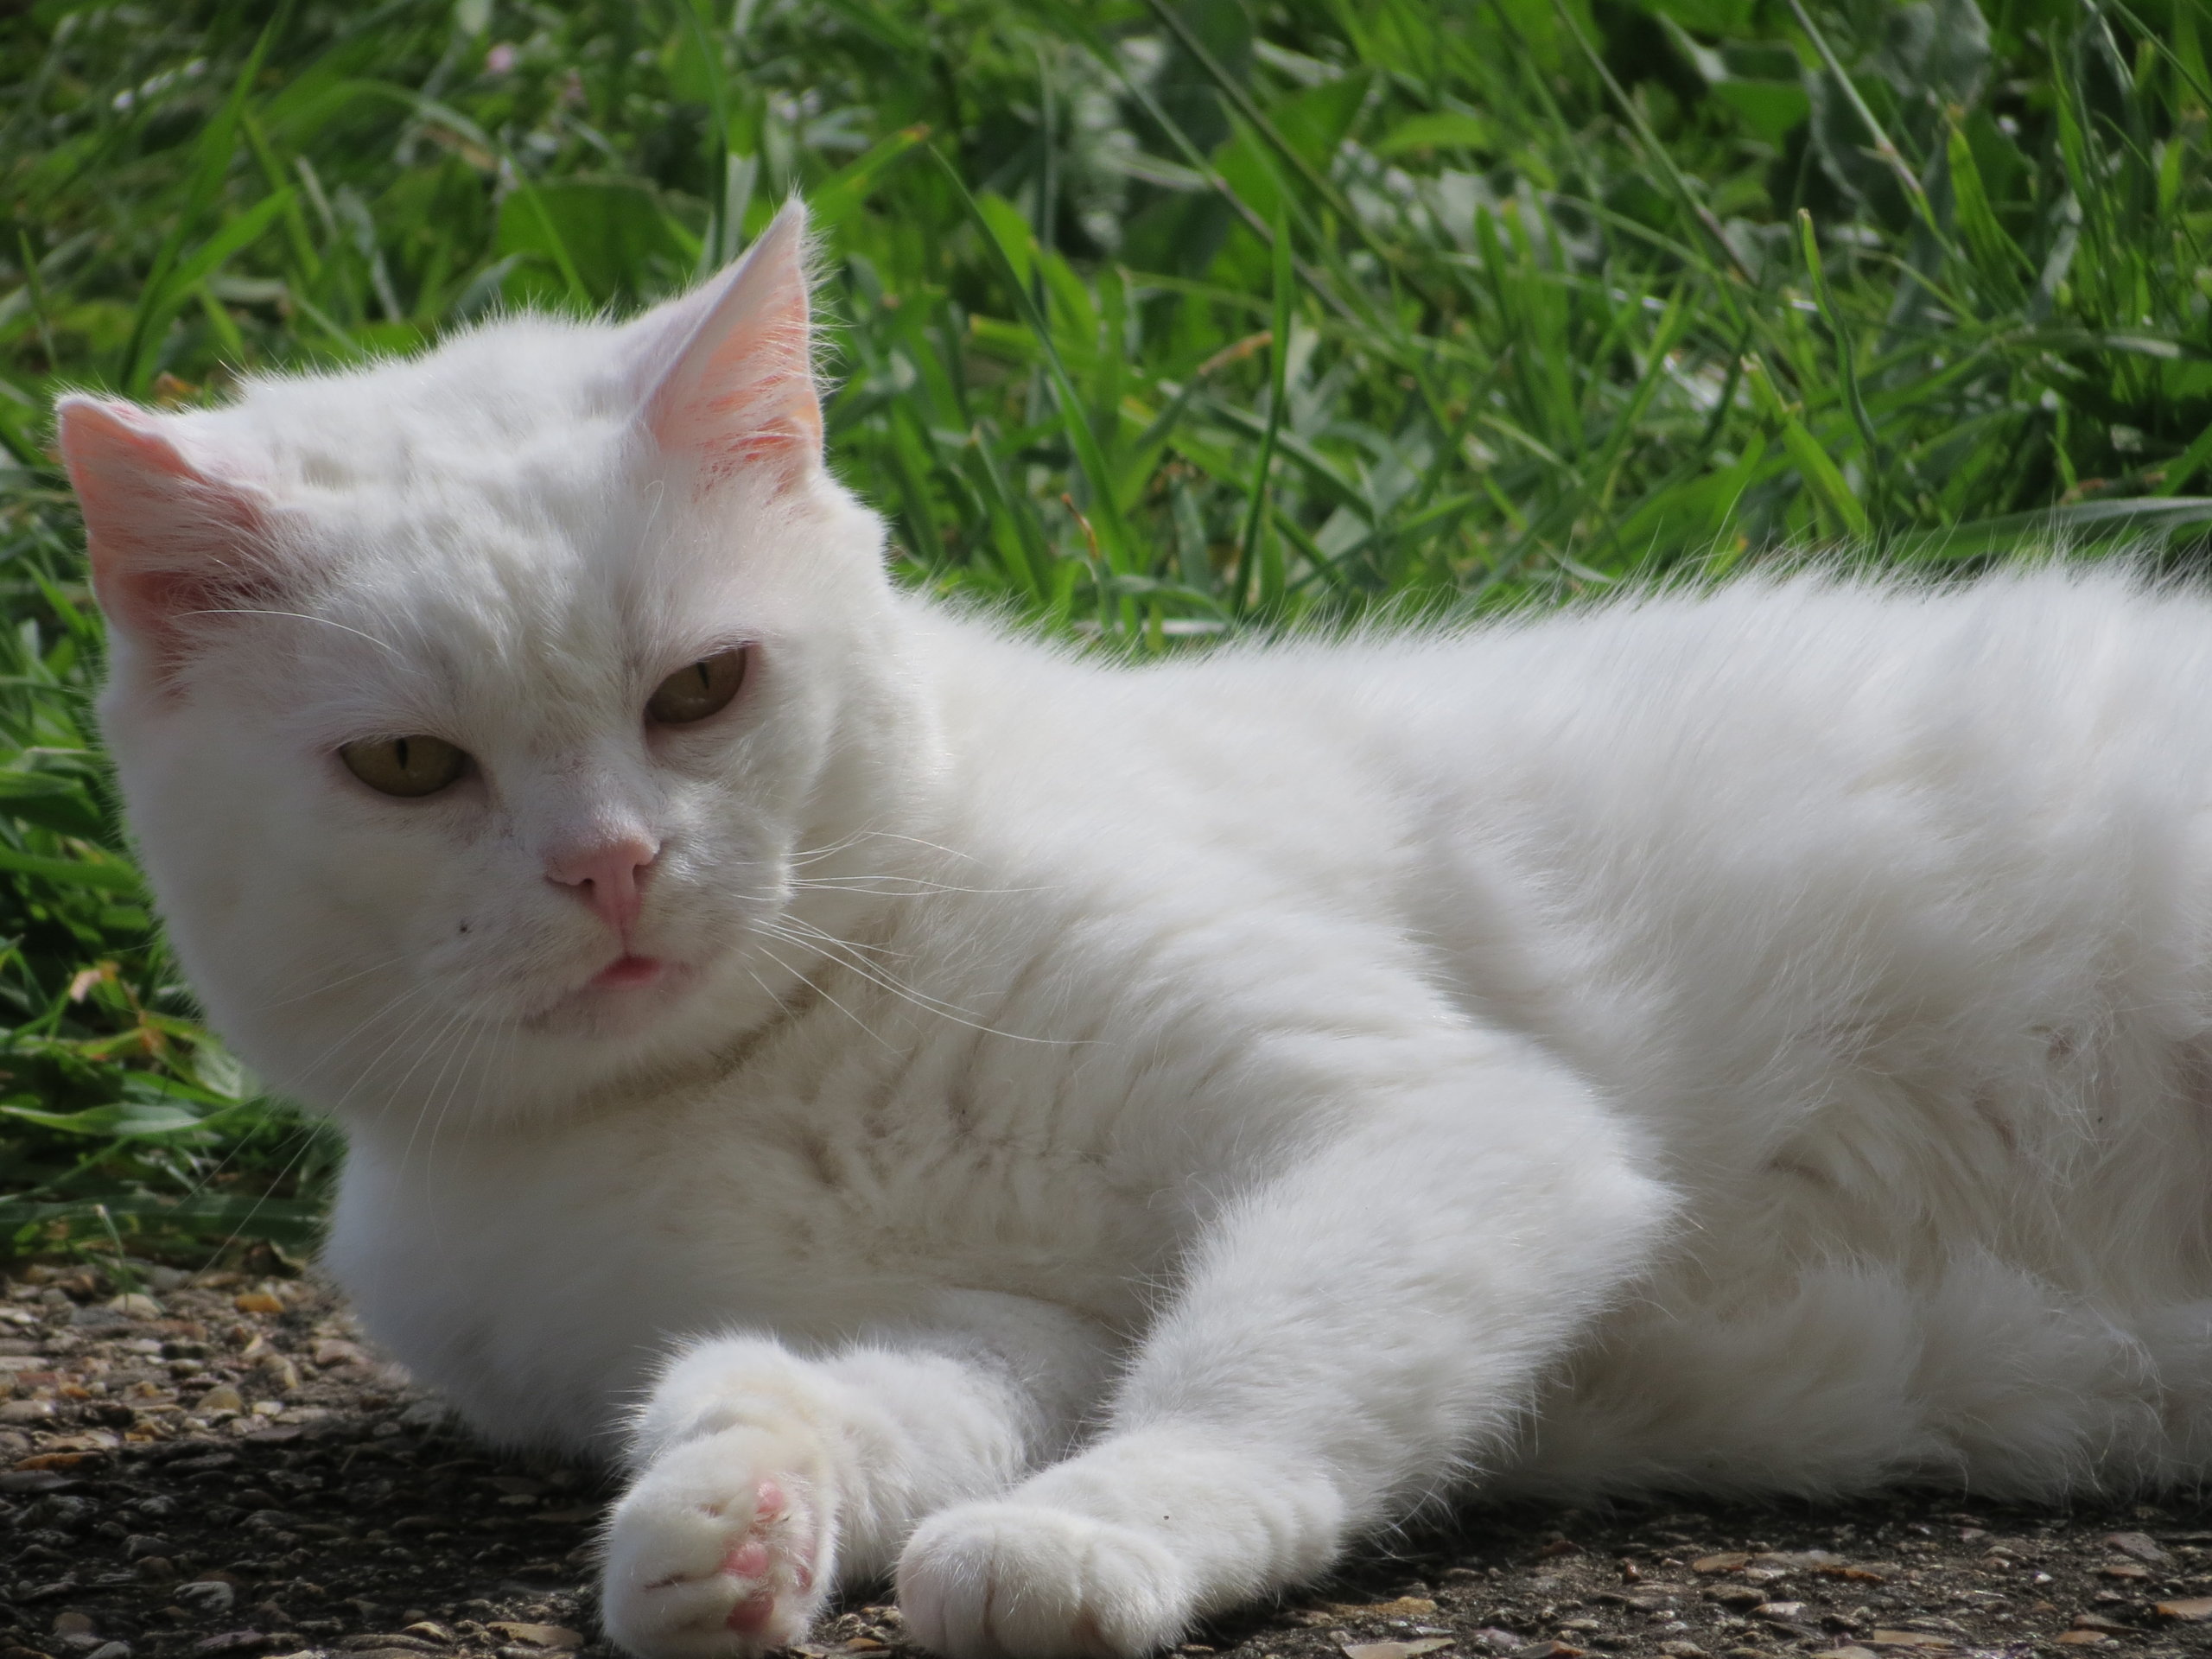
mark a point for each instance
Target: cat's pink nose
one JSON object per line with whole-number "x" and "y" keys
{"x": 606, "y": 877}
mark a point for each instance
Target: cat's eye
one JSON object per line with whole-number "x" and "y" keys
{"x": 705, "y": 687}
{"x": 404, "y": 765}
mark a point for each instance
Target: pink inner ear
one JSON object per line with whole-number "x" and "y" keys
{"x": 168, "y": 538}
{"x": 740, "y": 391}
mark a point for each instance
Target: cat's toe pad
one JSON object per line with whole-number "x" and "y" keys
{"x": 708, "y": 1561}
{"x": 1008, "y": 1580}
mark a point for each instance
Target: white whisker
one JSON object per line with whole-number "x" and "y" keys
{"x": 855, "y": 961}
{"x": 819, "y": 992}
{"x": 298, "y": 616}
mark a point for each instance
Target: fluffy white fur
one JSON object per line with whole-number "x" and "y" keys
{"x": 1108, "y": 1136}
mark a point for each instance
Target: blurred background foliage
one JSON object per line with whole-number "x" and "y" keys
{"x": 1153, "y": 319}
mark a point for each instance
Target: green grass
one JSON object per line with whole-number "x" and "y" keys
{"x": 1154, "y": 320}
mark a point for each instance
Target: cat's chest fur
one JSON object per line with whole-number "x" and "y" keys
{"x": 860, "y": 1163}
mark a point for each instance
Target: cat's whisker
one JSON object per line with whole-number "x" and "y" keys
{"x": 829, "y": 849}
{"x": 461, "y": 1078}
{"x": 453, "y": 1018}
{"x": 451, "y": 1053}
{"x": 413, "y": 1021}
{"x": 304, "y": 1140}
{"x": 329, "y": 986}
{"x": 815, "y": 855}
{"x": 416, "y": 1020}
{"x": 332, "y": 1051}
{"x": 452, "y": 1043}
{"x": 791, "y": 918}
{"x": 204, "y": 1179}
{"x": 301, "y": 616}
{"x": 854, "y": 962}
{"x": 918, "y": 887}
{"x": 819, "y": 992}
{"x": 915, "y": 840}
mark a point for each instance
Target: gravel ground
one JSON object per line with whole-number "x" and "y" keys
{"x": 217, "y": 1465}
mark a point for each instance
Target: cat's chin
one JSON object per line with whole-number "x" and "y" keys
{"x": 625, "y": 997}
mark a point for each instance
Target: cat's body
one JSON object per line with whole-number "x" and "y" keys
{"x": 1882, "y": 919}
{"x": 1106, "y": 1136}
{"x": 1913, "y": 991}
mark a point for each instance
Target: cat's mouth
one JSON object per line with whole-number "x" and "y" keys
{"x": 622, "y": 996}
{"x": 630, "y": 973}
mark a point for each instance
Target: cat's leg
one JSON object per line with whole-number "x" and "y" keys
{"x": 1351, "y": 1334}
{"x": 765, "y": 1477}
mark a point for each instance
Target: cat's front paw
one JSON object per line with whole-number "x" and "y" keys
{"x": 720, "y": 1551}
{"x": 1003, "y": 1580}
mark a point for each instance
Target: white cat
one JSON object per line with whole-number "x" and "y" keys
{"x": 1095, "y": 1139}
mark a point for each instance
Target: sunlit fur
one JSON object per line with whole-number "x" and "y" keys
{"x": 1117, "y": 1133}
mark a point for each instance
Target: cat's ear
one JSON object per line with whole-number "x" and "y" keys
{"x": 731, "y": 372}
{"x": 170, "y": 537}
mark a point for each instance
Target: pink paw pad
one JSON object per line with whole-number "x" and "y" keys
{"x": 751, "y": 1559}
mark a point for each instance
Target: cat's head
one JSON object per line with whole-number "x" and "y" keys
{"x": 476, "y": 715}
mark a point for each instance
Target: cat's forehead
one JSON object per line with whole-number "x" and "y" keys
{"x": 477, "y": 540}
{"x": 487, "y": 496}
{"x": 533, "y": 407}
{"x": 534, "y": 621}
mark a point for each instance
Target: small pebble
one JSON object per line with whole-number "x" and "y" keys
{"x": 539, "y": 1636}
{"x": 2140, "y": 1545}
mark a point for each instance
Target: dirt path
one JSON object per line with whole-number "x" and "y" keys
{"x": 218, "y": 1468}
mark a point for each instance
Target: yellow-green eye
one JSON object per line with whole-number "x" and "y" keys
{"x": 404, "y": 765}
{"x": 704, "y": 688}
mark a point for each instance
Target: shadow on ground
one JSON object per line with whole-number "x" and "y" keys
{"x": 217, "y": 1466}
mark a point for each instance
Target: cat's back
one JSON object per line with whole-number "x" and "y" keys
{"x": 1870, "y": 729}
{"x": 1935, "y": 856}
{"x": 1887, "y": 907}
{"x": 1959, "y": 776}
{"x": 2044, "y": 667}
{"x": 1888, "y": 911}
{"x": 1972, "y": 775}
{"x": 2048, "y": 664}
